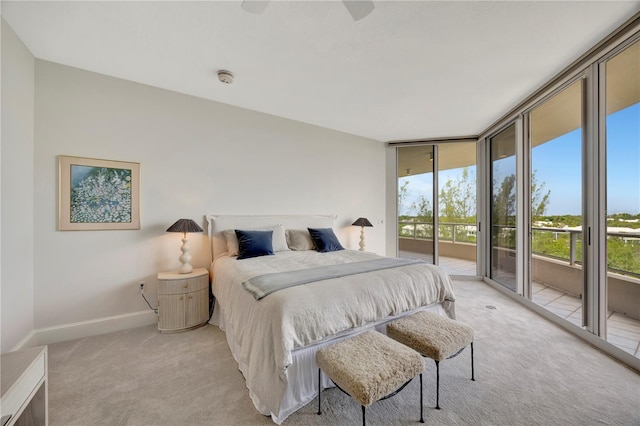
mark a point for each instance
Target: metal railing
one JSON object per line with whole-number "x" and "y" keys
{"x": 454, "y": 232}
{"x": 546, "y": 241}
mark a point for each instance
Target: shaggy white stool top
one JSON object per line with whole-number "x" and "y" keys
{"x": 369, "y": 366}
{"x": 434, "y": 336}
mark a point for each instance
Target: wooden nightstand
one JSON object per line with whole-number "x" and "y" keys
{"x": 183, "y": 300}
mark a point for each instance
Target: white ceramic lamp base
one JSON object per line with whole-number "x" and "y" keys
{"x": 362, "y": 246}
{"x": 185, "y": 259}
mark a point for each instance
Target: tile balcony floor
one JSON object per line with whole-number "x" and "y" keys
{"x": 622, "y": 331}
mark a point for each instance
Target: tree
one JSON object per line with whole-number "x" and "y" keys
{"x": 424, "y": 217}
{"x": 458, "y": 198}
{"x": 402, "y": 197}
{"x": 423, "y": 207}
{"x": 504, "y": 201}
{"x": 539, "y": 201}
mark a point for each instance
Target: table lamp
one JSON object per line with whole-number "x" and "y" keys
{"x": 184, "y": 226}
{"x": 362, "y": 222}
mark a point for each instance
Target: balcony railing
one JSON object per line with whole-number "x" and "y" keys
{"x": 455, "y": 232}
{"x": 556, "y": 243}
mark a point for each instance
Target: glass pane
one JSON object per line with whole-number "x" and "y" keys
{"x": 623, "y": 199}
{"x": 457, "y": 208}
{"x": 556, "y": 204}
{"x": 503, "y": 208}
{"x": 415, "y": 202}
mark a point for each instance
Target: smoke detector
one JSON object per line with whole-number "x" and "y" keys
{"x": 225, "y": 76}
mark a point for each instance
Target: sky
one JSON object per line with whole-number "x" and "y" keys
{"x": 558, "y": 164}
{"x": 623, "y": 161}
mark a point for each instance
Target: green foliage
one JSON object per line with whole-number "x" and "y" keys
{"x": 539, "y": 199}
{"x": 457, "y": 199}
{"x": 457, "y": 203}
{"x": 402, "y": 197}
{"x": 624, "y": 220}
{"x": 623, "y": 255}
{"x": 562, "y": 221}
{"x": 625, "y": 216}
{"x": 504, "y": 202}
{"x": 555, "y": 244}
{"x": 423, "y": 207}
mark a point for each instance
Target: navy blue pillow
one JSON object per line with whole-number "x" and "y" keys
{"x": 325, "y": 240}
{"x": 254, "y": 243}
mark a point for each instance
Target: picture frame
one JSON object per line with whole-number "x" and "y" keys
{"x": 96, "y": 195}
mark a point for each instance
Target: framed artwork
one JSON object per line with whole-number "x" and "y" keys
{"x": 97, "y": 194}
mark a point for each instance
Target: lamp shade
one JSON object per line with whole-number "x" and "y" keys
{"x": 362, "y": 221}
{"x": 184, "y": 226}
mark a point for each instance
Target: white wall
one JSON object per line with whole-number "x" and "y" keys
{"x": 196, "y": 157}
{"x": 17, "y": 191}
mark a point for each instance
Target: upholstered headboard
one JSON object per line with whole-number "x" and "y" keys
{"x": 219, "y": 223}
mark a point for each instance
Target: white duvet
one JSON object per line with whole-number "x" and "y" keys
{"x": 266, "y": 331}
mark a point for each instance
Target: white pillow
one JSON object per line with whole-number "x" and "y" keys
{"x": 279, "y": 239}
{"x": 299, "y": 239}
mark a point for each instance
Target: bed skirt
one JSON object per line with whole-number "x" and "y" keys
{"x": 302, "y": 374}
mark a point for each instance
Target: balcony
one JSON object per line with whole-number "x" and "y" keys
{"x": 557, "y": 281}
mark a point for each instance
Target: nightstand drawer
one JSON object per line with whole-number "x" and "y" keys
{"x": 183, "y": 286}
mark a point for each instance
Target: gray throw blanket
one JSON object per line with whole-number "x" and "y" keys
{"x": 263, "y": 285}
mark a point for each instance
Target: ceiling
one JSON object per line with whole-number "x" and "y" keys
{"x": 409, "y": 70}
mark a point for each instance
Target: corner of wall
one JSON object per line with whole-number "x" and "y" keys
{"x": 79, "y": 330}
{"x": 17, "y": 195}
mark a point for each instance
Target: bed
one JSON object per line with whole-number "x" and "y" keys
{"x": 274, "y": 337}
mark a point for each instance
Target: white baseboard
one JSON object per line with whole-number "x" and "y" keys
{"x": 78, "y": 330}
{"x": 28, "y": 342}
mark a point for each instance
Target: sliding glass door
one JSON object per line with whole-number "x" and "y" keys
{"x": 563, "y": 199}
{"x": 416, "y": 194}
{"x": 555, "y": 194}
{"x": 437, "y": 205}
{"x": 503, "y": 193}
{"x": 457, "y": 219}
{"x": 622, "y": 140}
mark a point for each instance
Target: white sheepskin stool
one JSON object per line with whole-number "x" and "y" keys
{"x": 370, "y": 367}
{"x": 434, "y": 336}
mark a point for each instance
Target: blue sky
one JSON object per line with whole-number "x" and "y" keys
{"x": 558, "y": 164}
{"x": 623, "y": 161}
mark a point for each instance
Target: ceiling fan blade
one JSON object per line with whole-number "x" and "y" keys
{"x": 255, "y": 6}
{"x": 359, "y": 8}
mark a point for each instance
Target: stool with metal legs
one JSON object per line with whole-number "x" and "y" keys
{"x": 433, "y": 336}
{"x": 364, "y": 408}
{"x": 369, "y": 367}
{"x": 438, "y": 373}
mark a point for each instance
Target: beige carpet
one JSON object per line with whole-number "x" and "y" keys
{"x": 528, "y": 372}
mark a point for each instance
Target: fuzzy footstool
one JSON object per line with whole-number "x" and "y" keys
{"x": 369, "y": 367}
{"x": 434, "y": 336}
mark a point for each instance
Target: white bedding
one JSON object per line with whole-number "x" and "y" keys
{"x": 263, "y": 334}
